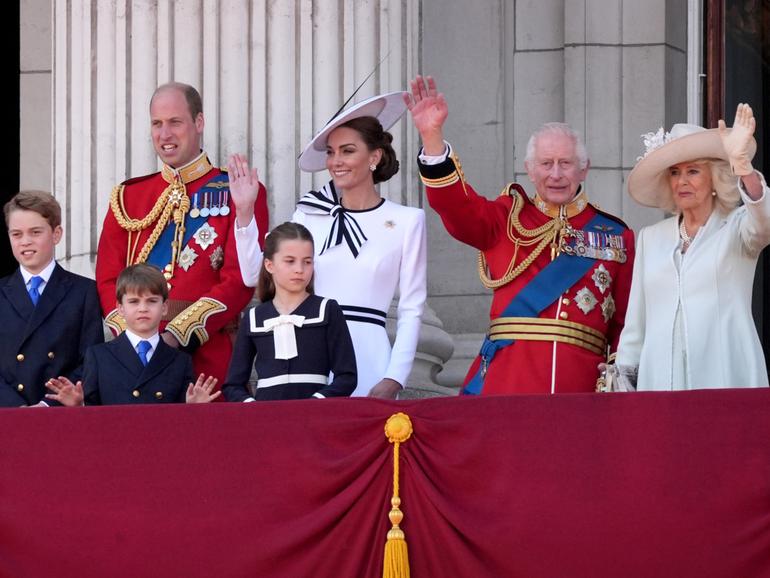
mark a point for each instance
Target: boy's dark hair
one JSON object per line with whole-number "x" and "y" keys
{"x": 285, "y": 232}
{"x": 375, "y": 138}
{"x": 45, "y": 204}
{"x": 141, "y": 278}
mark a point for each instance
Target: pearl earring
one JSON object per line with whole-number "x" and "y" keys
{"x": 713, "y": 193}
{"x": 372, "y": 167}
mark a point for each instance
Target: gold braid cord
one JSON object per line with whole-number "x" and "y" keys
{"x": 172, "y": 202}
{"x": 398, "y": 429}
{"x": 520, "y": 236}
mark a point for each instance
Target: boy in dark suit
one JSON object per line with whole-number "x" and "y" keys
{"x": 48, "y": 316}
{"x": 137, "y": 366}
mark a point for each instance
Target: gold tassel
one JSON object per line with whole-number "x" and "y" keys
{"x": 398, "y": 429}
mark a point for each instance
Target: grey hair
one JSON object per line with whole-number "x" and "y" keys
{"x": 563, "y": 129}
{"x": 723, "y": 182}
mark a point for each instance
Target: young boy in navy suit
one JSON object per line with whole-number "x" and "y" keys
{"x": 137, "y": 366}
{"x": 48, "y": 316}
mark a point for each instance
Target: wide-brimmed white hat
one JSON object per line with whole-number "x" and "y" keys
{"x": 387, "y": 108}
{"x": 648, "y": 182}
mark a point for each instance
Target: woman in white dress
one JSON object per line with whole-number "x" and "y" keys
{"x": 367, "y": 247}
{"x": 689, "y": 322}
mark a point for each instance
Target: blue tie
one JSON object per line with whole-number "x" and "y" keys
{"x": 143, "y": 347}
{"x": 34, "y": 285}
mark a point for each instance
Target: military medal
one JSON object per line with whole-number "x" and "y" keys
{"x": 217, "y": 258}
{"x": 215, "y": 205}
{"x": 225, "y": 210}
{"x": 608, "y": 308}
{"x": 195, "y": 212}
{"x": 205, "y": 236}
{"x": 585, "y": 300}
{"x": 187, "y": 258}
{"x": 205, "y": 210}
{"x": 602, "y": 278}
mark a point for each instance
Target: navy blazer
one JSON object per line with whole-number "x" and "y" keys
{"x": 38, "y": 343}
{"x": 115, "y": 375}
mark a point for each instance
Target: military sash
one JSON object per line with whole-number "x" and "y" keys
{"x": 545, "y": 288}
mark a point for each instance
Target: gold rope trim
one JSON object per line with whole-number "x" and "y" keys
{"x": 173, "y": 202}
{"x": 398, "y": 429}
{"x": 192, "y": 321}
{"x": 520, "y": 236}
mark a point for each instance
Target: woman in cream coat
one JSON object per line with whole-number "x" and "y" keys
{"x": 689, "y": 322}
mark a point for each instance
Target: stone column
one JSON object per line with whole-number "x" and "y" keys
{"x": 271, "y": 73}
{"x": 625, "y": 74}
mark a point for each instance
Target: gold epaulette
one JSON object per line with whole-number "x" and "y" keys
{"x": 115, "y": 321}
{"x": 510, "y": 190}
{"x": 450, "y": 179}
{"x": 192, "y": 321}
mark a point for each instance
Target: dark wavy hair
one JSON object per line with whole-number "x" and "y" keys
{"x": 375, "y": 138}
{"x": 284, "y": 232}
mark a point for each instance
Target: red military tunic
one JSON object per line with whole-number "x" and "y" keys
{"x": 559, "y": 351}
{"x": 206, "y": 291}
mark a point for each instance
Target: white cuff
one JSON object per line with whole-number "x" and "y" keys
{"x": 435, "y": 159}
{"x": 249, "y": 253}
{"x": 744, "y": 195}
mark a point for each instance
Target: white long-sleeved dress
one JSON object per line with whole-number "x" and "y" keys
{"x": 688, "y": 323}
{"x": 393, "y": 258}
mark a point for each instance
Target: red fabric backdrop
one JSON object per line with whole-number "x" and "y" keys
{"x": 632, "y": 485}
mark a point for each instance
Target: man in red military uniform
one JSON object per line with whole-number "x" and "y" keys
{"x": 180, "y": 219}
{"x": 560, "y": 269}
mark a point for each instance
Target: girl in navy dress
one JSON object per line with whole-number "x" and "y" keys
{"x": 298, "y": 342}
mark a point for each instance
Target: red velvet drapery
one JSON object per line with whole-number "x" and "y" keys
{"x": 632, "y": 485}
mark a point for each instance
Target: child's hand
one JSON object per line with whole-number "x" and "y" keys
{"x": 200, "y": 391}
{"x": 64, "y": 391}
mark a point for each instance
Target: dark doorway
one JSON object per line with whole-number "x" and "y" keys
{"x": 9, "y": 101}
{"x": 737, "y": 34}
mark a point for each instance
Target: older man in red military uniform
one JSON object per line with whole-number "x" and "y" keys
{"x": 560, "y": 269}
{"x": 180, "y": 219}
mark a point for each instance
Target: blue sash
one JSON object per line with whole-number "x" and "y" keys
{"x": 160, "y": 256}
{"x": 544, "y": 288}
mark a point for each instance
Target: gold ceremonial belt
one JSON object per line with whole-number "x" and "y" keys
{"x": 536, "y": 329}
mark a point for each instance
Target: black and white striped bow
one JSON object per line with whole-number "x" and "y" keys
{"x": 344, "y": 226}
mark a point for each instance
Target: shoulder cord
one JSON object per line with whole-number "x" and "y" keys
{"x": 520, "y": 236}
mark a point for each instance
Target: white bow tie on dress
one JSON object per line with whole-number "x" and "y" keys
{"x": 284, "y": 339}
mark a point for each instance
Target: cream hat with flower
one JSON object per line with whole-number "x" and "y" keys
{"x": 648, "y": 182}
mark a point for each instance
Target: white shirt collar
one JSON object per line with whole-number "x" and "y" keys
{"x": 45, "y": 274}
{"x": 135, "y": 339}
